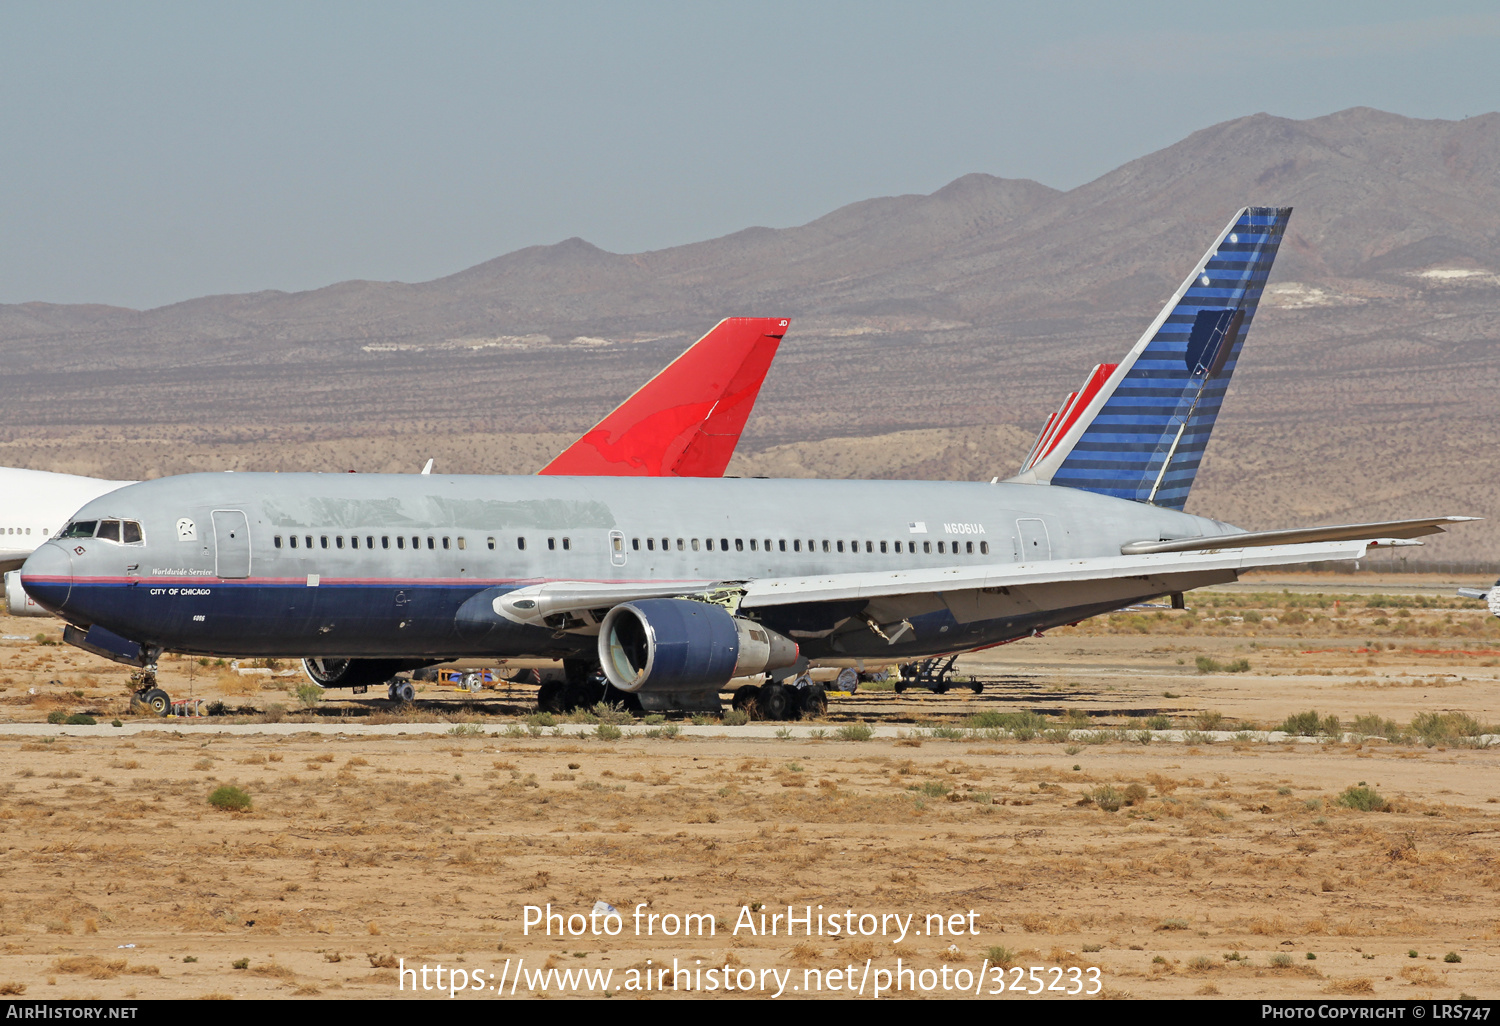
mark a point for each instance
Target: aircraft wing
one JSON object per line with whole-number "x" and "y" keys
{"x": 971, "y": 592}
{"x": 686, "y": 421}
{"x": 1170, "y": 569}
{"x": 1398, "y": 530}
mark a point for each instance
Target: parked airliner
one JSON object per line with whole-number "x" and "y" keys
{"x": 675, "y": 586}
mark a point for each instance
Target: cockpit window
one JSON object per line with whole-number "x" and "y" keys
{"x": 80, "y": 529}
{"x": 109, "y": 530}
{"x": 131, "y": 532}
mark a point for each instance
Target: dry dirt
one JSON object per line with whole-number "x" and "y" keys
{"x": 1222, "y": 860}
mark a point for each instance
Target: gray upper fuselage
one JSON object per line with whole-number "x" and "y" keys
{"x": 405, "y": 565}
{"x": 565, "y": 525}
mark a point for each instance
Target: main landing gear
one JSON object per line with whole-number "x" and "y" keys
{"x": 401, "y": 692}
{"x": 936, "y": 674}
{"x": 582, "y": 687}
{"x": 778, "y": 701}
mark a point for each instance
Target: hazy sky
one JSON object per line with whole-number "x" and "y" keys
{"x": 154, "y": 152}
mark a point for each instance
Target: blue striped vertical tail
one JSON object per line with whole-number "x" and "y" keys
{"x": 1144, "y": 433}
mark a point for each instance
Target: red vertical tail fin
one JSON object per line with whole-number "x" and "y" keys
{"x": 686, "y": 421}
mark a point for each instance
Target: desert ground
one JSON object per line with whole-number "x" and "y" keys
{"x": 1120, "y": 796}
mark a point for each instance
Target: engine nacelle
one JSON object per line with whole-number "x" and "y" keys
{"x": 354, "y": 673}
{"x": 680, "y": 645}
{"x": 17, "y": 602}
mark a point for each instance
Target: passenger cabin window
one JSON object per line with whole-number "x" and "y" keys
{"x": 521, "y": 544}
{"x": 323, "y": 540}
{"x": 307, "y": 541}
{"x": 695, "y": 545}
{"x": 968, "y": 548}
{"x": 385, "y": 541}
{"x": 552, "y": 543}
{"x": 400, "y": 541}
{"x": 338, "y": 542}
{"x": 490, "y": 542}
{"x": 416, "y": 542}
{"x": 782, "y": 544}
{"x": 354, "y": 541}
{"x": 825, "y": 545}
{"x": 635, "y": 543}
{"x": 292, "y": 541}
{"x": 984, "y": 548}
{"x": 431, "y": 542}
{"x": 739, "y": 545}
{"x": 927, "y": 548}
{"x": 651, "y": 545}
{"x": 679, "y": 545}
{"x": 369, "y": 541}
{"x": 445, "y": 541}
{"x": 840, "y": 544}
{"x": 567, "y": 544}
{"x": 463, "y": 545}
{"x": 276, "y": 541}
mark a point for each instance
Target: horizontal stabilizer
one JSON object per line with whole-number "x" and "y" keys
{"x": 686, "y": 421}
{"x": 1396, "y": 529}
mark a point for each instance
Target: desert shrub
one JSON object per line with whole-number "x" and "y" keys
{"x": 56, "y": 716}
{"x": 465, "y": 729}
{"x": 1362, "y": 799}
{"x": 541, "y": 719}
{"x": 81, "y": 720}
{"x": 1135, "y": 794}
{"x": 1436, "y": 728}
{"x": 229, "y": 798}
{"x": 1001, "y": 955}
{"x": 855, "y": 732}
{"x": 1209, "y": 719}
{"x": 241, "y": 963}
{"x": 309, "y": 695}
{"x": 1372, "y": 725}
{"x": 1159, "y": 722}
{"x": 1172, "y": 924}
{"x": 1305, "y": 724}
{"x": 1280, "y": 960}
{"x": 1453, "y": 956}
{"x": 1107, "y": 798}
{"x": 1196, "y": 737}
{"x": 607, "y": 732}
{"x": 931, "y": 788}
{"x": 735, "y": 718}
{"x": 1011, "y": 721}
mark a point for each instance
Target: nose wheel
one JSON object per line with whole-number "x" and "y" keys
{"x": 401, "y": 692}
{"x": 148, "y": 697}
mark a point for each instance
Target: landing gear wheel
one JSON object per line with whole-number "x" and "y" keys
{"x": 401, "y": 692}
{"x": 549, "y": 697}
{"x": 976, "y": 686}
{"x": 777, "y": 702}
{"x": 154, "y": 700}
{"x": 899, "y": 685}
{"x": 746, "y": 699}
{"x": 581, "y": 694}
{"x": 814, "y": 700}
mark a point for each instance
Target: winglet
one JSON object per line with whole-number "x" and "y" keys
{"x": 686, "y": 421}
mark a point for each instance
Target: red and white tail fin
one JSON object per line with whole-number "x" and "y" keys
{"x": 686, "y": 421}
{"x": 1073, "y": 406}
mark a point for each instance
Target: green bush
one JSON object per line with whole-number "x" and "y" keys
{"x": 607, "y": 732}
{"x": 1008, "y": 720}
{"x": 1107, "y": 798}
{"x": 81, "y": 720}
{"x": 1363, "y": 799}
{"x": 229, "y": 798}
{"x": 855, "y": 732}
{"x": 1159, "y": 722}
{"x": 735, "y": 718}
{"x": 1305, "y": 724}
{"x": 309, "y": 695}
{"x": 1453, "y": 956}
{"x": 57, "y": 716}
{"x": 1437, "y": 728}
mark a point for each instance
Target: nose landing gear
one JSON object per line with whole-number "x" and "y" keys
{"x": 147, "y": 697}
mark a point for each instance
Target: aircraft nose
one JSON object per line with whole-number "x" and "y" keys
{"x": 47, "y": 575}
